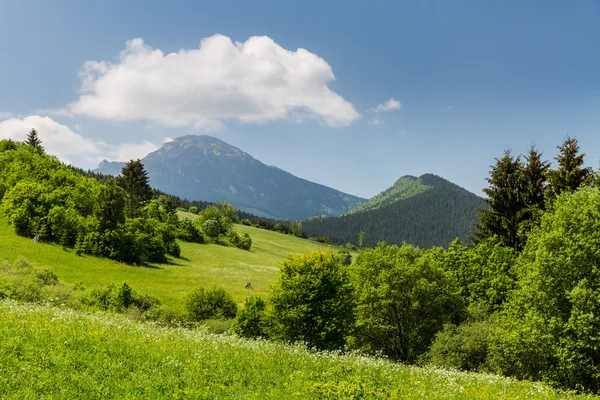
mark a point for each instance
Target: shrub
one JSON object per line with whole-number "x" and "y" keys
{"x": 345, "y": 257}
{"x": 193, "y": 210}
{"x": 240, "y": 241}
{"x": 190, "y": 232}
{"x": 211, "y": 227}
{"x": 250, "y": 321}
{"x": 202, "y": 304}
{"x": 312, "y": 301}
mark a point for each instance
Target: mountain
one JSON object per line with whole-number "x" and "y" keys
{"x": 208, "y": 169}
{"x": 110, "y": 167}
{"x": 425, "y": 211}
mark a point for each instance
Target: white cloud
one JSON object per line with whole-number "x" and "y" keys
{"x": 449, "y": 107}
{"x": 252, "y": 82}
{"x": 7, "y": 115}
{"x": 388, "y": 105}
{"x": 376, "y": 121}
{"x": 167, "y": 139}
{"x": 69, "y": 146}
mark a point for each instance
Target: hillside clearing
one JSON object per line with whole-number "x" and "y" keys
{"x": 200, "y": 265}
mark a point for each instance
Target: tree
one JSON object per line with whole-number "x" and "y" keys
{"x": 250, "y": 321}
{"x": 312, "y": 301}
{"x": 570, "y": 173}
{"x": 110, "y": 209}
{"x": 34, "y": 141}
{"x": 534, "y": 178}
{"x": 403, "y": 299}
{"x": 361, "y": 240}
{"x": 296, "y": 228}
{"x": 134, "y": 181}
{"x": 504, "y": 202}
{"x": 551, "y": 328}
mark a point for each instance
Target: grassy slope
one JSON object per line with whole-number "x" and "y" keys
{"x": 48, "y": 352}
{"x": 201, "y": 265}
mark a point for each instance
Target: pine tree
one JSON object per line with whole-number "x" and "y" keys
{"x": 533, "y": 185}
{"x": 570, "y": 173}
{"x": 110, "y": 209}
{"x": 134, "y": 181}
{"x": 502, "y": 216}
{"x": 33, "y": 140}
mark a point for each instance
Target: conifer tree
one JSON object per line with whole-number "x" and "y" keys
{"x": 134, "y": 181}
{"x": 570, "y": 173}
{"x": 33, "y": 140}
{"x": 502, "y": 216}
{"x": 534, "y": 180}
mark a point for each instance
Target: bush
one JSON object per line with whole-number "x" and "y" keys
{"x": 312, "y": 301}
{"x": 190, "y": 232}
{"x": 345, "y": 257}
{"x": 250, "y": 321}
{"x": 465, "y": 346}
{"x": 211, "y": 227}
{"x": 243, "y": 242}
{"x": 202, "y": 304}
{"x": 193, "y": 210}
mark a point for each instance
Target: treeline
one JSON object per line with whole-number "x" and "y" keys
{"x": 434, "y": 217}
{"x": 118, "y": 219}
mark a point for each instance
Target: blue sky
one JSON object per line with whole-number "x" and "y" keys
{"x": 472, "y": 78}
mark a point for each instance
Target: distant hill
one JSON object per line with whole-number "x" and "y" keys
{"x": 425, "y": 211}
{"x": 208, "y": 169}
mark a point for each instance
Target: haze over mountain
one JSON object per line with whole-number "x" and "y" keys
{"x": 425, "y": 211}
{"x": 208, "y": 169}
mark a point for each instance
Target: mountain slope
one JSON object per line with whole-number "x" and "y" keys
{"x": 208, "y": 169}
{"x": 425, "y": 211}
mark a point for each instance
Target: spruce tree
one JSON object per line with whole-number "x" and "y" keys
{"x": 570, "y": 173}
{"x": 504, "y": 203}
{"x": 533, "y": 185}
{"x": 134, "y": 181}
{"x": 33, "y": 140}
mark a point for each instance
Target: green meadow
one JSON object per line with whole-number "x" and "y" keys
{"x": 200, "y": 265}
{"x": 57, "y": 353}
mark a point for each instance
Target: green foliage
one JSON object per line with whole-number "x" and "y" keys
{"x": 344, "y": 257}
{"x": 465, "y": 346}
{"x": 211, "y": 227}
{"x": 312, "y": 301}
{"x": 189, "y": 231}
{"x": 549, "y": 331}
{"x": 134, "y": 181}
{"x": 485, "y": 273}
{"x": 361, "y": 240}
{"x": 202, "y": 304}
{"x": 296, "y": 229}
{"x": 243, "y": 242}
{"x": 251, "y": 321}
{"x": 403, "y": 299}
{"x": 193, "y": 210}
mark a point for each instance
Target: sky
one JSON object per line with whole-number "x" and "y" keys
{"x": 349, "y": 94}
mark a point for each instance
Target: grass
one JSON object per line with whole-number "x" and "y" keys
{"x": 200, "y": 265}
{"x": 48, "y": 352}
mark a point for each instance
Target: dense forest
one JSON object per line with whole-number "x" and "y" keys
{"x": 430, "y": 212}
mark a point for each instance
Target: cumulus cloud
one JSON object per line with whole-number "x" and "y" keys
{"x": 388, "y": 105}
{"x": 68, "y": 146}
{"x": 251, "y": 82}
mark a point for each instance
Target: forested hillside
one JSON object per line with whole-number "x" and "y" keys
{"x": 425, "y": 211}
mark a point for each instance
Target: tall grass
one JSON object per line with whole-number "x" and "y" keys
{"x": 48, "y": 352}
